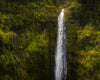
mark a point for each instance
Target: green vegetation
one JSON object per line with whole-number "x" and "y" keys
{"x": 28, "y": 31}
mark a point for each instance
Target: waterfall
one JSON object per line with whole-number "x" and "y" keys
{"x": 60, "y": 57}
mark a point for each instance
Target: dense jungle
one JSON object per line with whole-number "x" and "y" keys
{"x": 28, "y": 35}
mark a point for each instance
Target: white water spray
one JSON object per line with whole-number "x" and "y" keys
{"x": 60, "y": 57}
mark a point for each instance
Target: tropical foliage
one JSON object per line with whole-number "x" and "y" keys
{"x": 28, "y": 30}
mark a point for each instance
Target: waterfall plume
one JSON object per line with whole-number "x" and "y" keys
{"x": 60, "y": 57}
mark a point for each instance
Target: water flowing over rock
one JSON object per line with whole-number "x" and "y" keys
{"x": 60, "y": 57}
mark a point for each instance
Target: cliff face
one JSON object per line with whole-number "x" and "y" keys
{"x": 28, "y": 31}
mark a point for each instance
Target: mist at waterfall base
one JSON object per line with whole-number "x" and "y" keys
{"x": 60, "y": 57}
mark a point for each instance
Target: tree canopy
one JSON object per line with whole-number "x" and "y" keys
{"x": 28, "y": 31}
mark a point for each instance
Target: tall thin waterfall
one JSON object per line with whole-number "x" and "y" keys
{"x": 60, "y": 57}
